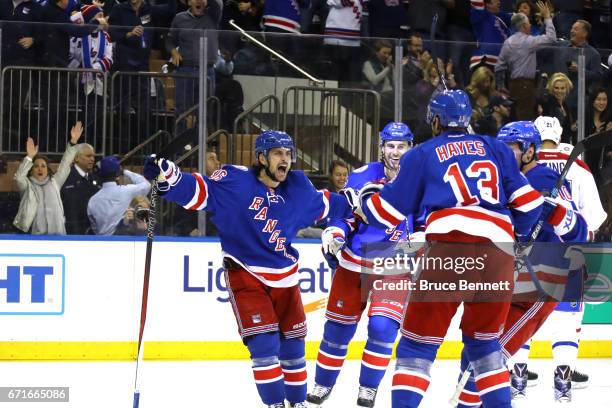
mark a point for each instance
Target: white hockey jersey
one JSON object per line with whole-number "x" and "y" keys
{"x": 582, "y": 183}
{"x": 93, "y": 51}
{"x": 344, "y": 22}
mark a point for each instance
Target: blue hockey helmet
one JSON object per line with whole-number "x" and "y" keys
{"x": 396, "y": 131}
{"x": 273, "y": 138}
{"x": 523, "y": 132}
{"x": 452, "y": 107}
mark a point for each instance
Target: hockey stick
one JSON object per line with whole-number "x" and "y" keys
{"x": 594, "y": 141}
{"x": 434, "y": 55}
{"x": 145, "y": 288}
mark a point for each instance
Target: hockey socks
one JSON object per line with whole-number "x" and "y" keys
{"x": 490, "y": 372}
{"x": 332, "y": 352}
{"x": 267, "y": 371}
{"x": 469, "y": 397}
{"x": 293, "y": 364}
{"x": 382, "y": 332}
{"x": 411, "y": 378}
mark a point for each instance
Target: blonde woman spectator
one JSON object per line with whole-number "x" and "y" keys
{"x": 480, "y": 90}
{"x": 41, "y": 210}
{"x": 554, "y": 103}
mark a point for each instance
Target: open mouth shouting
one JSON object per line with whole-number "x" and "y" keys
{"x": 283, "y": 168}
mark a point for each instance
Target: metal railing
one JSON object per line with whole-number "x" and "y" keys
{"x": 152, "y": 145}
{"x": 214, "y": 108}
{"x": 328, "y": 121}
{"x": 263, "y": 115}
{"x": 44, "y": 103}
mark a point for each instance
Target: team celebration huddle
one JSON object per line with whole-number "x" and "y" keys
{"x": 513, "y": 204}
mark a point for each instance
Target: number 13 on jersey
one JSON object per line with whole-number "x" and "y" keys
{"x": 478, "y": 182}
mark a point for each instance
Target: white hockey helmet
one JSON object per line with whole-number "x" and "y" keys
{"x": 549, "y": 128}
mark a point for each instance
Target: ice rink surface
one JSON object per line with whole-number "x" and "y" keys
{"x": 212, "y": 384}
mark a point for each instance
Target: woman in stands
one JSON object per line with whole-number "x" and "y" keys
{"x": 41, "y": 210}
{"x": 554, "y": 104}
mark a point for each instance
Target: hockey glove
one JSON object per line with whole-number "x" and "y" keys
{"x": 168, "y": 174}
{"x": 151, "y": 169}
{"x": 561, "y": 218}
{"x": 332, "y": 240}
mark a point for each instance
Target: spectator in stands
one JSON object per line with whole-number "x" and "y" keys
{"x": 93, "y": 51}
{"x": 136, "y": 216}
{"x": 21, "y": 40}
{"x": 490, "y": 27}
{"x": 41, "y": 210}
{"x": 566, "y": 58}
{"x": 480, "y": 90}
{"x": 598, "y": 119}
{"x": 536, "y": 20}
{"x": 459, "y": 32}
{"x": 130, "y": 30}
{"x": 228, "y": 90}
{"x": 553, "y": 103}
{"x": 79, "y": 187}
{"x": 431, "y": 84}
{"x": 378, "y": 74}
{"x": 567, "y": 13}
{"x": 107, "y": 207}
{"x": 518, "y": 55}
{"x": 598, "y": 112}
{"x": 378, "y": 70}
{"x": 386, "y": 18}
{"x": 212, "y": 163}
{"x": 56, "y": 47}
{"x": 246, "y": 14}
{"x": 338, "y": 175}
{"x": 342, "y": 29}
{"x": 413, "y": 64}
{"x": 184, "y": 44}
{"x": 495, "y": 116}
{"x": 19, "y": 35}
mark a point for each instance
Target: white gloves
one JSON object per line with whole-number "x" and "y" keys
{"x": 332, "y": 240}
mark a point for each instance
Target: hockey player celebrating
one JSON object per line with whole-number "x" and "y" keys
{"x": 566, "y": 319}
{"x": 346, "y": 299}
{"x": 257, "y": 212}
{"x": 473, "y": 194}
{"x": 562, "y": 225}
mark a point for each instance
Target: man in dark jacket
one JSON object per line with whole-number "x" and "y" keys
{"x": 80, "y": 185}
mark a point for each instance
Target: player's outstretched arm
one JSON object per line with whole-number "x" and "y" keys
{"x": 188, "y": 190}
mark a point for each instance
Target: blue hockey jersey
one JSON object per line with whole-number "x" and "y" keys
{"x": 465, "y": 183}
{"x": 490, "y": 31}
{"x": 284, "y": 14}
{"x": 551, "y": 256}
{"x": 256, "y": 223}
{"x": 367, "y": 239}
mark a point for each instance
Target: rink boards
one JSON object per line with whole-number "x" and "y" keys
{"x": 78, "y": 298}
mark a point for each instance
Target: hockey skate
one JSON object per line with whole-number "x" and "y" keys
{"x": 579, "y": 380}
{"x": 563, "y": 384}
{"x": 518, "y": 381}
{"x": 277, "y": 405}
{"x": 298, "y": 405}
{"x": 366, "y": 396}
{"x": 318, "y": 395}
